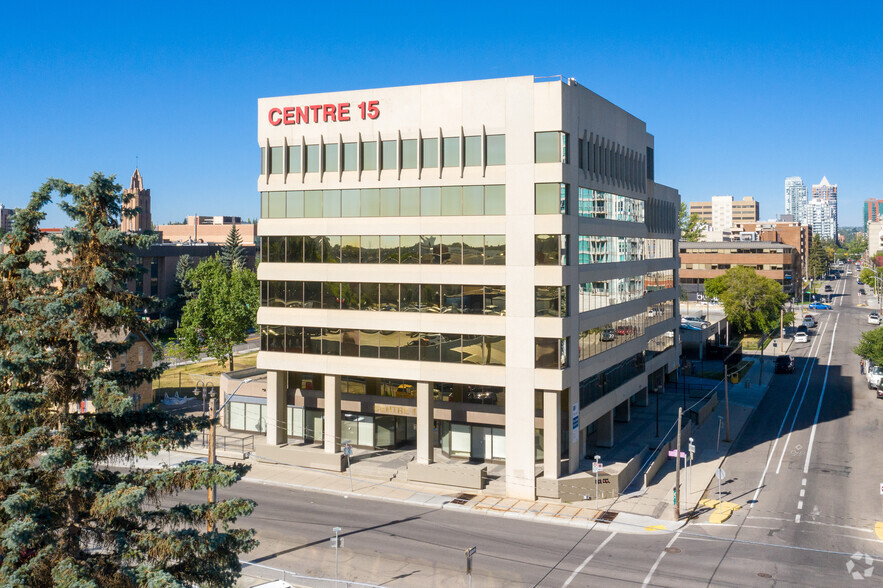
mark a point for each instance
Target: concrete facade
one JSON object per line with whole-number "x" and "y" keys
{"x": 722, "y": 213}
{"x": 208, "y": 229}
{"x": 703, "y": 261}
{"x": 796, "y": 234}
{"x": 139, "y": 198}
{"x": 530, "y": 376}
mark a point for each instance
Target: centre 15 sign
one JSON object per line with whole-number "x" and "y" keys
{"x": 340, "y": 112}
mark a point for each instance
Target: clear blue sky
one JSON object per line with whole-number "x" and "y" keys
{"x": 738, "y": 95}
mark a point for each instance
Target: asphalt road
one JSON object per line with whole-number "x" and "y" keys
{"x": 806, "y": 471}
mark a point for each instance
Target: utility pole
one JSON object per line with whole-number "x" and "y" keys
{"x": 781, "y": 328}
{"x": 678, "y": 469}
{"x": 212, "y": 490}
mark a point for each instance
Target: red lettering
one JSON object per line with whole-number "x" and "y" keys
{"x": 302, "y": 114}
{"x": 340, "y": 112}
{"x": 316, "y": 108}
{"x": 277, "y": 121}
{"x": 362, "y": 108}
{"x": 373, "y": 110}
{"x": 343, "y": 111}
{"x": 329, "y": 110}
{"x": 288, "y": 115}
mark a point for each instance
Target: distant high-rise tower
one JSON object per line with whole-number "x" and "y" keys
{"x": 795, "y": 198}
{"x": 823, "y": 210}
{"x": 871, "y": 211}
{"x": 141, "y": 222}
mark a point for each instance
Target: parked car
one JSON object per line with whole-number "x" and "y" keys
{"x": 691, "y": 327}
{"x": 828, "y": 288}
{"x": 875, "y": 376}
{"x": 784, "y": 364}
{"x": 695, "y": 319}
{"x": 879, "y": 392}
{"x": 809, "y": 321}
{"x": 801, "y": 337}
{"x": 625, "y": 330}
{"x": 608, "y": 335}
{"x": 861, "y": 291}
{"x": 820, "y": 306}
{"x": 874, "y": 318}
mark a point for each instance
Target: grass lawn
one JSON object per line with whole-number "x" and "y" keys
{"x": 184, "y": 378}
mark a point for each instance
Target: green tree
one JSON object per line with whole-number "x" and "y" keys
{"x": 751, "y": 302}
{"x": 857, "y": 246}
{"x": 221, "y": 313}
{"x": 233, "y": 254}
{"x": 66, "y": 518}
{"x": 870, "y": 346}
{"x": 692, "y": 227}
{"x": 818, "y": 261}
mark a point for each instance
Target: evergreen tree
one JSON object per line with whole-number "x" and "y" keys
{"x": 222, "y": 312}
{"x": 233, "y": 255}
{"x": 66, "y": 518}
{"x": 818, "y": 260}
{"x": 692, "y": 227}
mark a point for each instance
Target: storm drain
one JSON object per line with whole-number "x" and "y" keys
{"x": 607, "y": 517}
{"x": 463, "y": 498}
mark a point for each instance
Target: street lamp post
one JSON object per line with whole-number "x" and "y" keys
{"x": 212, "y": 442}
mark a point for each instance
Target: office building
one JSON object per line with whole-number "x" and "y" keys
{"x": 871, "y": 211}
{"x": 487, "y": 268}
{"x": 795, "y": 234}
{"x": 703, "y": 261}
{"x": 723, "y": 213}
{"x": 6, "y": 215}
{"x": 795, "y": 198}
{"x": 208, "y": 229}
{"x": 822, "y": 210}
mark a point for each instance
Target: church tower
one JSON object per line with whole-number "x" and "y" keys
{"x": 141, "y": 222}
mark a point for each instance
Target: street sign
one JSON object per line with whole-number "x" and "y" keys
{"x": 674, "y": 453}
{"x": 691, "y": 448}
{"x": 881, "y": 489}
{"x": 470, "y": 552}
{"x": 336, "y": 542}
{"x": 348, "y": 450}
{"x": 597, "y": 466}
{"x": 720, "y": 474}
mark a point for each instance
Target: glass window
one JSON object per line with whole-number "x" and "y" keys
{"x": 389, "y": 202}
{"x": 452, "y": 201}
{"x": 370, "y": 202}
{"x": 473, "y": 299}
{"x": 495, "y": 199}
{"x": 389, "y": 249}
{"x": 312, "y": 340}
{"x": 349, "y": 342}
{"x": 546, "y": 301}
{"x": 430, "y": 298}
{"x": 430, "y": 201}
{"x": 496, "y": 346}
{"x": 312, "y": 158}
{"x": 389, "y": 344}
{"x": 495, "y": 250}
{"x": 294, "y": 294}
{"x": 331, "y": 295}
{"x": 276, "y": 160}
{"x": 294, "y": 163}
{"x": 388, "y": 154}
{"x": 430, "y": 152}
{"x": 451, "y": 348}
{"x": 295, "y": 249}
{"x": 313, "y": 249}
{"x": 313, "y": 203}
{"x": 330, "y": 341}
{"x": 331, "y": 249}
{"x": 277, "y": 204}
{"x": 275, "y": 339}
{"x": 452, "y": 249}
{"x": 548, "y": 147}
{"x": 409, "y": 154}
{"x": 275, "y": 293}
{"x": 312, "y": 294}
{"x": 389, "y": 297}
{"x": 294, "y": 206}
{"x": 369, "y": 297}
{"x": 369, "y": 155}
{"x": 331, "y": 203}
{"x": 473, "y": 200}
{"x": 494, "y": 300}
{"x": 369, "y": 344}
{"x": 451, "y": 151}
{"x": 473, "y": 150}
{"x": 294, "y": 339}
{"x": 473, "y": 249}
{"x": 263, "y": 160}
{"x": 265, "y": 205}
{"x": 546, "y": 352}
{"x": 349, "y": 156}
{"x": 349, "y": 248}
{"x": 276, "y": 249}
{"x": 349, "y": 296}
{"x": 429, "y": 346}
{"x": 349, "y": 203}
{"x": 547, "y": 198}
{"x": 410, "y": 248}
{"x": 496, "y": 149}
{"x": 370, "y": 249}
{"x": 430, "y": 249}
{"x": 452, "y": 298}
{"x": 410, "y": 297}
{"x": 331, "y": 157}
{"x": 409, "y": 199}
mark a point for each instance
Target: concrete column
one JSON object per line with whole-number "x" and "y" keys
{"x": 622, "y": 413}
{"x": 551, "y": 434}
{"x": 643, "y": 397}
{"x": 425, "y": 422}
{"x": 332, "y": 414}
{"x": 604, "y": 436}
{"x": 277, "y": 430}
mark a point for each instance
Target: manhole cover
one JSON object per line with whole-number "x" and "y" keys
{"x": 607, "y": 517}
{"x": 672, "y": 550}
{"x": 764, "y": 575}
{"x": 463, "y": 498}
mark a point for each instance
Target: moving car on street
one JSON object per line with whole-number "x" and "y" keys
{"x": 874, "y": 318}
{"x": 809, "y": 321}
{"x": 820, "y": 306}
{"x": 784, "y": 364}
{"x": 801, "y": 337}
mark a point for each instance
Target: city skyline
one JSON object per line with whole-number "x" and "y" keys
{"x": 179, "y": 94}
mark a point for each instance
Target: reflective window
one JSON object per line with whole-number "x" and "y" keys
{"x": 276, "y": 160}
{"x": 313, "y": 203}
{"x": 388, "y": 155}
{"x": 495, "y": 200}
{"x": 551, "y": 249}
{"x": 331, "y": 157}
{"x": 473, "y": 150}
{"x": 330, "y": 203}
{"x": 409, "y": 201}
{"x": 349, "y": 203}
{"x": 312, "y": 158}
{"x": 496, "y": 149}
{"x": 295, "y": 252}
{"x": 294, "y": 207}
{"x": 350, "y": 156}
{"x": 369, "y": 155}
{"x": 276, "y": 205}
{"x": 550, "y": 198}
{"x": 551, "y": 301}
{"x": 410, "y": 248}
{"x": 389, "y": 249}
{"x": 389, "y": 202}
{"x": 370, "y": 249}
{"x": 548, "y": 147}
{"x": 294, "y": 159}
{"x": 451, "y": 152}
{"x": 473, "y": 200}
{"x": 452, "y": 249}
{"x": 370, "y": 202}
{"x": 409, "y": 154}
{"x": 430, "y": 153}
{"x": 349, "y": 248}
{"x": 452, "y": 201}
{"x": 430, "y": 201}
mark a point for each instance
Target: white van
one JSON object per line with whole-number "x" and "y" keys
{"x": 874, "y": 373}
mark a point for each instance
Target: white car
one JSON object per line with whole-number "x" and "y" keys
{"x": 695, "y": 320}
{"x": 874, "y": 318}
{"x": 800, "y": 337}
{"x": 875, "y": 375}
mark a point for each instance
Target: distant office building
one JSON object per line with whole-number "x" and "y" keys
{"x": 140, "y": 199}
{"x": 703, "y": 261}
{"x": 795, "y": 234}
{"x": 208, "y": 229}
{"x": 822, "y": 210}
{"x": 723, "y": 213}
{"x": 871, "y": 211}
{"x": 795, "y": 198}
{"x": 6, "y": 215}
{"x": 875, "y": 237}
